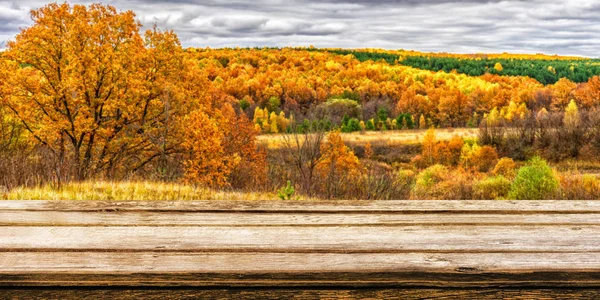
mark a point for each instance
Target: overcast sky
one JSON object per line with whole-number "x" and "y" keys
{"x": 567, "y": 27}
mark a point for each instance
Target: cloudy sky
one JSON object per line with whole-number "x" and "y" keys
{"x": 549, "y": 26}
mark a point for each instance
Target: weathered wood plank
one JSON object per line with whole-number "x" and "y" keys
{"x": 309, "y": 249}
{"x": 265, "y": 293}
{"x": 399, "y": 279}
{"x": 305, "y": 263}
{"x": 288, "y": 238}
{"x": 406, "y": 206}
{"x": 151, "y": 218}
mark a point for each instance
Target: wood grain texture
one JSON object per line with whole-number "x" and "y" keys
{"x": 300, "y": 249}
{"x": 153, "y": 218}
{"x": 408, "y": 294}
{"x": 337, "y": 206}
{"x": 252, "y": 262}
{"x": 530, "y": 238}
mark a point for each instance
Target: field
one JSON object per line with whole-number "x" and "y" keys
{"x": 391, "y": 138}
{"x": 140, "y": 190}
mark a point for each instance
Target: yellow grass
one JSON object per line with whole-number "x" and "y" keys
{"x": 143, "y": 190}
{"x": 392, "y": 137}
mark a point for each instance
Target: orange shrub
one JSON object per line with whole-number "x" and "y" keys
{"x": 505, "y": 167}
{"x": 438, "y": 182}
{"x": 477, "y": 158}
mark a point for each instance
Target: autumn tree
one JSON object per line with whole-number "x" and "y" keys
{"x": 570, "y": 137}
{"x": 338, "y": 164}
{"x": 571, "y": 117}
{"x": 498, "y": 67}
{"x": 454, "y": 109}
{"x": 207, "y": 163}
{"x": 302, "y": 154}
{"x": 273, "y": 121}
{"x": 429, "y": 143}
{"x": 239, "y": 141}
{"x": 422, "y": 122}
{"x": 93, "y": 90}
{"x": 561, "y": 93}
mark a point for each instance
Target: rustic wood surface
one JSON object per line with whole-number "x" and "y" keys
{"x": 296, "y": 249}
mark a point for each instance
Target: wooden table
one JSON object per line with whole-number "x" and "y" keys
{"x": 328, "y": 249}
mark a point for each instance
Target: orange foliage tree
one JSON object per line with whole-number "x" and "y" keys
{"x": 105, "y": 99}
{"x": 207, "y": 163}
{"x": 338, "y": 164}
{"x": 222, "y": 151}
{"x": 92, "y": 89}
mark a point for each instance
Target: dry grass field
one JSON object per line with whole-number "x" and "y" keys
{"x": 391, "y": 137}
{"x": 132, "y": 190}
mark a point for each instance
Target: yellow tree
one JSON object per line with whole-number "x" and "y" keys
{"x": 571, "y": 118}
{"x": 422, "y": 122}
{"x": 93, "y": 90}
{"x": 429, "y": 142}
{"x": 273, "y": 120}
{"x": 498, "y": 67}
{"x": 258, "y": 115}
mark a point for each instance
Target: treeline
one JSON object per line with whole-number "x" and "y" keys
{"x": 545, "y": 71}
{"x": 364, "y": 56}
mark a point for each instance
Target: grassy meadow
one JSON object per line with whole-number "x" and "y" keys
{"x": 390, "y": 138}
{"x": 132, "y": 190}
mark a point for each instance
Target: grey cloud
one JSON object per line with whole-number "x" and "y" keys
{"x": 550, "y": 26}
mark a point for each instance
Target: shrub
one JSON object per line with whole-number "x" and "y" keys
{"x": 448, "y": 152}
{"x": 370, "y": 125}
{"x": 505, "y": 167}
{"x": 580, "y": 187}
{"x": 274, "y": 103}
{"x": 478, "y": 158}
{"x": 427, "y": 179}
{"x": 382, "y": 114}
{"x": 348, "y": 95}
{"x": 455, "y": 146}
{"x": 404, "y": 182}
{"x": 437, "y": 182}
{"x": 335, "y": 109}
{"x": 351, "y": 125}
{"x": 404, "y": 121}
{"x": 244, "y": 104}
{"x": 458, "y": 185}
{"x": 491, "y": 188}
{"x": 418, "y": 161}
{"x": 534, "y": 181}
{"x": 485, "y": 158}
{"x": 286, "y": 192}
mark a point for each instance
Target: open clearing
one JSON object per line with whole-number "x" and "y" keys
{"x": 392, "y": 137}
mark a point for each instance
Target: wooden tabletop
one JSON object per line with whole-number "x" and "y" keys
{"x": 355, "y": 249}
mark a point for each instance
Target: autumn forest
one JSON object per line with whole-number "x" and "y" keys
{"x": 92, "y": 105}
